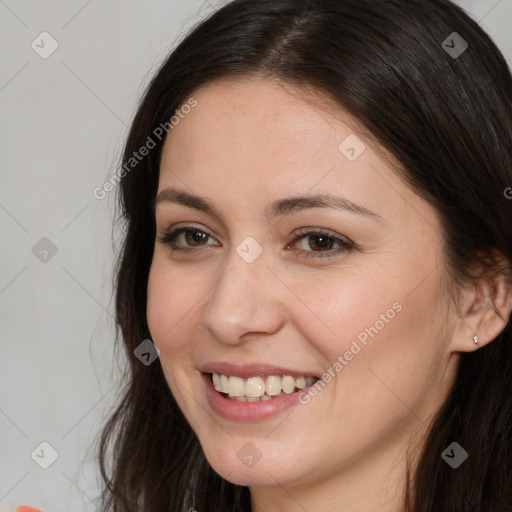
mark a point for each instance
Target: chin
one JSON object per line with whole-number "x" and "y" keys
{"x": 237, "y": 467}
{"x": 250, "y": 477}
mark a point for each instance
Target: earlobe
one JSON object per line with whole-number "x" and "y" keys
{"x": 488, "y": 326}
{"x": 488, "y": 309}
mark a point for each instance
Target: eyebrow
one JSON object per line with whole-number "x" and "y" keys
{"x": 277, "y": 208}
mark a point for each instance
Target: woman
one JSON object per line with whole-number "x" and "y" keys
{"x": 318, "y": 244}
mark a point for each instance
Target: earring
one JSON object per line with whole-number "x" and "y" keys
{"x": 475, "y": 339}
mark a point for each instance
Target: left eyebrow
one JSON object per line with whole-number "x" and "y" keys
{"x": 277, "y": 208}
{"x": 300, "y": 203}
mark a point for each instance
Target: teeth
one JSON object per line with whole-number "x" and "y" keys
{"x": 300, "y": 383}
{"x": 273, "y": 385}
{"x": 262, "y": 398}
{"x": 310, "y": 381}
{"x": 223, "y": 384}
{"x": 236, "y": 386}
{"x": 245, "y": 399}
{"x": 256, "y": 389}
{"x": 288, "y": 384}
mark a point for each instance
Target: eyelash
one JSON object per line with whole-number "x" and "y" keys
{"x": 345, "y": 245}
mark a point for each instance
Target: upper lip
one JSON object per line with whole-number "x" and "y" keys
{"x": 245, "y": 371}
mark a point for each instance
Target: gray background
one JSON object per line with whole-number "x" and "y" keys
{"x": 64, "y": 119}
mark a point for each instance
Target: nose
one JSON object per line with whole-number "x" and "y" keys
{"x": 247, "y": 300}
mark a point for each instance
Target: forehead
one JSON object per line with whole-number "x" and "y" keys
{"x": 263, "y": 127}
{"x": 259, "y": 110}
{"x": 251, "y": 141}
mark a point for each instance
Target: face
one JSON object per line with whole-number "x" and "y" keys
{"x": 349, "y": 291}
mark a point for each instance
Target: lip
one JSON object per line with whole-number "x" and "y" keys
{"x": 248, "y": 411}
{"x": 251, "y": 370}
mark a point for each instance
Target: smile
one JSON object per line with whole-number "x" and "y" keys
{"x": 241, "y": 407}
{"x": 258, "y": 388}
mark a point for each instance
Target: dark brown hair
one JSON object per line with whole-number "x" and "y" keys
{"x": 448, "y": 121}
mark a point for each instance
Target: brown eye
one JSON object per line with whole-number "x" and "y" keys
{"x": 185, "y": 238}
{"x": 195, "y": 237}
{"x": 320, "y": 244}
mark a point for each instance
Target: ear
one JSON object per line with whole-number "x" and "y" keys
{"x": 486, "y": 305}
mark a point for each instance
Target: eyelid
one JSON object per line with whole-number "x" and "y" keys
{"x": 322, "y": 231}
{"x": 178, "y": 229}
{"x": 345, "y": 243}
{"x": 191, "y": 226}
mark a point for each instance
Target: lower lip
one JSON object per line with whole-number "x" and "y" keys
{"x": 247, "y": 411}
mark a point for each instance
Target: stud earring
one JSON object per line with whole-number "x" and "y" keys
{"x": 475, "y": 339}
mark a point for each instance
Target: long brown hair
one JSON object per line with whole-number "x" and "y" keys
{"x": 447, "y": 119}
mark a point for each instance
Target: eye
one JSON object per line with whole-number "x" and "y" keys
{"x": 323, "y": 244}
{"x": 190, "y": 236}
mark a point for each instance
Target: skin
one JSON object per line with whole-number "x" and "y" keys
{"x": 247, "y": 143}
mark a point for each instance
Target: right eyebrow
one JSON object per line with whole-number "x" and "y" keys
{"x": 277, "y": 208}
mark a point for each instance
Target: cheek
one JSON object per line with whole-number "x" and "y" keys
{"x": 173, "y": 296}
{"x": 173, "y": 299}
{"x": 392, "y": 350}
{"x": 337, "y": 309}
{"x": 375, "y": 324}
